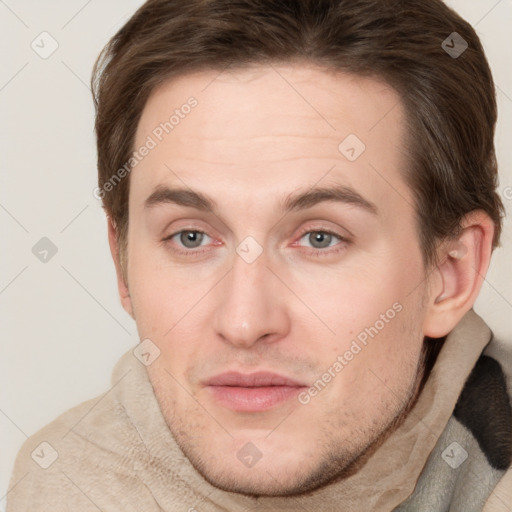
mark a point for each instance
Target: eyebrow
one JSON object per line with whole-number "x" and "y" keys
{"x": 293, "y": 202}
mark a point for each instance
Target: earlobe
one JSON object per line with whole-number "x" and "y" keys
{"x": 463, "y": 263}
{"x": 122, "y": 285}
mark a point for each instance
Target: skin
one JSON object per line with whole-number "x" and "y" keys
{"x": 300, "y": 304}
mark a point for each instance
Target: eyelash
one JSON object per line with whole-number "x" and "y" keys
{"x": 306, "y": 230}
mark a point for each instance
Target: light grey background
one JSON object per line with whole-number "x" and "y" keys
{"x": 63, "y": 328}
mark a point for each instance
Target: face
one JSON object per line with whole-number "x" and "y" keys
{"x": 276, "y": 265}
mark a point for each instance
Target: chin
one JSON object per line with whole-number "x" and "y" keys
{"x": 262, "y": 482}
{"x": 286, "y": 472}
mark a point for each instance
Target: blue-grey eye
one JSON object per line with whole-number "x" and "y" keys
{"x": 320, "y": 239}
{"x": 191, "y": 239}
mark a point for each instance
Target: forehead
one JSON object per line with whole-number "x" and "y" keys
{"x": 261, "y": 98}
{"x": 272, "y": 127}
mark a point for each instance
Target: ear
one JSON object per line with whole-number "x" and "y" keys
{"x": 122, "y": 285}
{"x": 458, "y": 277}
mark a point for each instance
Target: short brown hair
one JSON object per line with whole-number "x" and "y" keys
{"x": 450, "y": 102}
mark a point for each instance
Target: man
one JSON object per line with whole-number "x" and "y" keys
{"x": 301, "y": 206}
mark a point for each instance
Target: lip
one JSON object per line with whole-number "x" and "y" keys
{"x": 253, "y": 392}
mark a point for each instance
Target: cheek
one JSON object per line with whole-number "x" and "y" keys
{"x": 354, "y": 297}
{"x": 377, "y": 368}
{"x": 376, "y": 317}
{"x": 168, "y": 302}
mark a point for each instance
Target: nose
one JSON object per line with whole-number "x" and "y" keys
{"x": 252, "y": 305}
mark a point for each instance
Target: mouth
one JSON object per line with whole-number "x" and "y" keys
{"x": 255, "y": 392}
